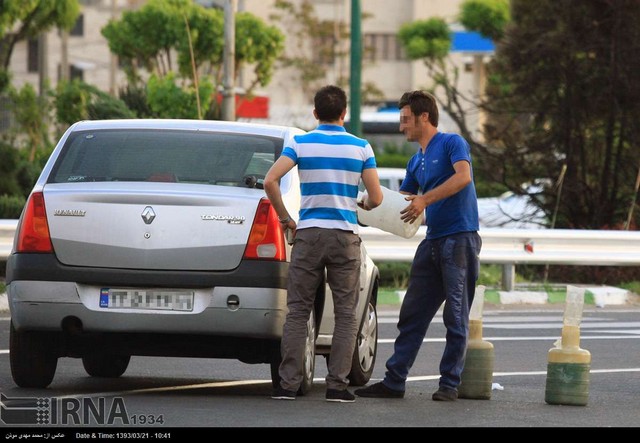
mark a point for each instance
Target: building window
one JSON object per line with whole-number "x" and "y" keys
{"x": 78, "y": 27}
{"x": 6, "y": 117}
{"x": 76, "y": 73}
{"x": 69, "y": 69}
{"x": 32, "y": 55}
{"x": 324, "y": 50}
{"x": 383, "y": 47}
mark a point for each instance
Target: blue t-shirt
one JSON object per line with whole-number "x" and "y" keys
{"x": 454, "y": 214}
{"x": 330, "y": 163}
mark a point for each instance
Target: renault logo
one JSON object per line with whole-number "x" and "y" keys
{"x": 148, "y": 215}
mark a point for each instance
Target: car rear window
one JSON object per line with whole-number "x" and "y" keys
{"x": 228, "y": 159}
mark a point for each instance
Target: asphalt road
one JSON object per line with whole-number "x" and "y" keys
{"x": 179, "y": 395}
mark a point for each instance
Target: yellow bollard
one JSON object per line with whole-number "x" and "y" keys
{"x": 477, "y": 375}
{"x": 568, "y": 365}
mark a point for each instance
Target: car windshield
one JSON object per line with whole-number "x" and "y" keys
{"x": 228, "y": 159}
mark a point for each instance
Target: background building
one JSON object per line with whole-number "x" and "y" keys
{"x": 83, "y": 53}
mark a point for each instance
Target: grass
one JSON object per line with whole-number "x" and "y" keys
{"x": 490, "y": 276}
{"x": 389, "y": 296}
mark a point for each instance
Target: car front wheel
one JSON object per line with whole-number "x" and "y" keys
{"x": 364, "y": 355}
{"x": 108, "y": 366}
{"x": 308, "y": 359}
{"x": 32, "y": 358}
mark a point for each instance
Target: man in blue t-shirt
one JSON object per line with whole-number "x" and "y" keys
{"x": 439, "y": 179}
{"x": 330, "y": 163}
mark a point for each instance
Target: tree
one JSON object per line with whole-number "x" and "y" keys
{"x": 149, "y": 36}
{"x": 318, "y": 45}
{"x": 562, "y": 96}
{"x": 24, "y": 19}
{"x": 167, "y": 100}
{"x": 76, "y": 100}
{"x": 488, "y": 17}
{"x": 146, "y": 37}
{"x": 430, "y": 41}
{"x": 569, "y": 89}
{"x": 30, "y": 112}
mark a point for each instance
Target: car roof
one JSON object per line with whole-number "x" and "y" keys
{"x": 185, "y": 124}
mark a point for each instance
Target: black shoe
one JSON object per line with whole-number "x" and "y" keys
{"x": 341, "y": 396}
{"x": 282, "y": 394}
{"x": 445, "y": 394}
{"x": 379, "y": 390}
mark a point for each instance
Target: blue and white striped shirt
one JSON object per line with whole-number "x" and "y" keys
{"x": 330, "y": 163}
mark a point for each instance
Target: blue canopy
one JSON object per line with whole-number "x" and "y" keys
{"x": 467, "y": 41}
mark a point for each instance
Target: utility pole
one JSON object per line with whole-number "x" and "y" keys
{"x": 43, "y": 62}
{"x": 113, "y": 59}
{"x": 355, "y": 125}
{"x": 229, "y": 56}
{"x": 64, "y": 54}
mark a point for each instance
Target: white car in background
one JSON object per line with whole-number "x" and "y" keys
{"x": 390, "y": 178}
{"x": 510, "y": 210}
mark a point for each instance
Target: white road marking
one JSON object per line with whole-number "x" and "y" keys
{"x": 225, "y": 384}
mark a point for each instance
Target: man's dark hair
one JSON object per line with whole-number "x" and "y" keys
{"x": 420, "y": 102}
{"x": 330, "y": 102}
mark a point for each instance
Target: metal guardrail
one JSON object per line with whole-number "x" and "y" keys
{"x": 524, "y": 246}
{"x": 507, "y": 247}
{"x": 510, "y": 247}
{"x": 7, "y": 232}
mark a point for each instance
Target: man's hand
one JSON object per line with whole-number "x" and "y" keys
{"x": 414, "y": 210}
{"x": 362, "y": 203}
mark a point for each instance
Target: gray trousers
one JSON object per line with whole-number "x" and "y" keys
{"x": 314, "y": 251}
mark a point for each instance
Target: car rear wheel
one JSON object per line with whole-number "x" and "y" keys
{"x": 32, "y": 358}
{"x": 308, "y": 359}
{"x": 103, "y": 365}
{"x": 364, "y": 355}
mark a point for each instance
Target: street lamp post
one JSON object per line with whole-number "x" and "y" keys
{"x": 355, "y": 125}
{"x": 228, "y": 93}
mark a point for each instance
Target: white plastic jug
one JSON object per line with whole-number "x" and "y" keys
{"x": 387, "y": 215}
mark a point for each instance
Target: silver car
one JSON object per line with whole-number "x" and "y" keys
{"x": 155, "y": 238}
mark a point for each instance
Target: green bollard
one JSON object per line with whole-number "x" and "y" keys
{"x": 568, "y": 365}
{"x": 477, "y": 374}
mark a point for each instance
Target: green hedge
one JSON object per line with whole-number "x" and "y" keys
{"x": 396, "y": 274}
{"x": 11, "y": 206}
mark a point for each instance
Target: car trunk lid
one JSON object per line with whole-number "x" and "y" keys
{"x": 150, "y": 225}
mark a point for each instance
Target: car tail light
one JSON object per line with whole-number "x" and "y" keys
{"x": 266, "y": 240}
{"x": 34, "y": 230}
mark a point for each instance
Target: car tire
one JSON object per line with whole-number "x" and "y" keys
{"x": 105, "y": 365}
{"x": 309, "y": 359}
{"x": 364, "y": 354}
{"x": 32, "y": 358}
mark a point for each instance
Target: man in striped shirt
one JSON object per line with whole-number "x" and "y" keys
{"x": 330, "y": 164}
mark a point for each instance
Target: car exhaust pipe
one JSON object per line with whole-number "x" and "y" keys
{"x": 72, "y": 325}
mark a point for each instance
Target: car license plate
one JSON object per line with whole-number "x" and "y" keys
{"x": 146, "y": 299}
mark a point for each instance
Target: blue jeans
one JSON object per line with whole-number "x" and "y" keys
{"x": 443, "y": 270}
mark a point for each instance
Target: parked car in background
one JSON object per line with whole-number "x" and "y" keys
{"x": 511, "y": 210}
{"x": 155, "y": 238}
{"x": 508, "y": 210}
{"x": 391, "y": 177}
